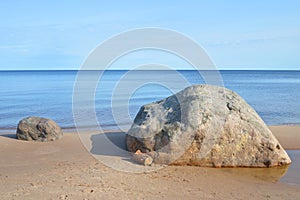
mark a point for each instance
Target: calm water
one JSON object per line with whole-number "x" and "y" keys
{"x": 274, "y": 94}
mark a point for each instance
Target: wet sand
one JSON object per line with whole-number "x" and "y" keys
{"x": 64, "y": 169}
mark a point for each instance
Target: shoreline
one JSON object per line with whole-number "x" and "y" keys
{"x": 94, "y": 128}
{"x": 288, "y": 135}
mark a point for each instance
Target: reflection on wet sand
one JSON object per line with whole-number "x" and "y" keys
{"x": 293, "y": 174}
{"x": 272, "y": 174}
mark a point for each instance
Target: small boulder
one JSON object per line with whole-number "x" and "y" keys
{"x": 38, "y": 129}
{"x": 205, "y": 125}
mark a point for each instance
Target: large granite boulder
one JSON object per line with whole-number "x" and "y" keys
{"x": 38, "y": 129}
{"x": 205, "y": 125}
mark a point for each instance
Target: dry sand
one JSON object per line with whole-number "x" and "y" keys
{"x": 288, "y": 136}
{"x": 64, "y": 169}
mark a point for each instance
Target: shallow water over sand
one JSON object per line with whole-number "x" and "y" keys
{"x": 292, "y": 176}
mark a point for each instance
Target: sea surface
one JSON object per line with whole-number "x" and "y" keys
{"x": 275, "y": 95}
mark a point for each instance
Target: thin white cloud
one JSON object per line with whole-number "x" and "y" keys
{"x": 14, "y": 46}
{"x": 250, "y": 40}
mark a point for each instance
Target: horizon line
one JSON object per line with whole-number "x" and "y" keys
{"x": 148, "y": 70}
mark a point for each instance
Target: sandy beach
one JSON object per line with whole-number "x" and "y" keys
{"x": 64, "y": 169}
{"x": 288, "y": 136}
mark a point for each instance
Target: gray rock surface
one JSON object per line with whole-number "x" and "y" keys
{"x": 205, "y": 125}
{"x": 38, "y": 129}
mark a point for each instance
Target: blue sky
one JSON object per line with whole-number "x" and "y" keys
{"x": 236, "y": 34}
